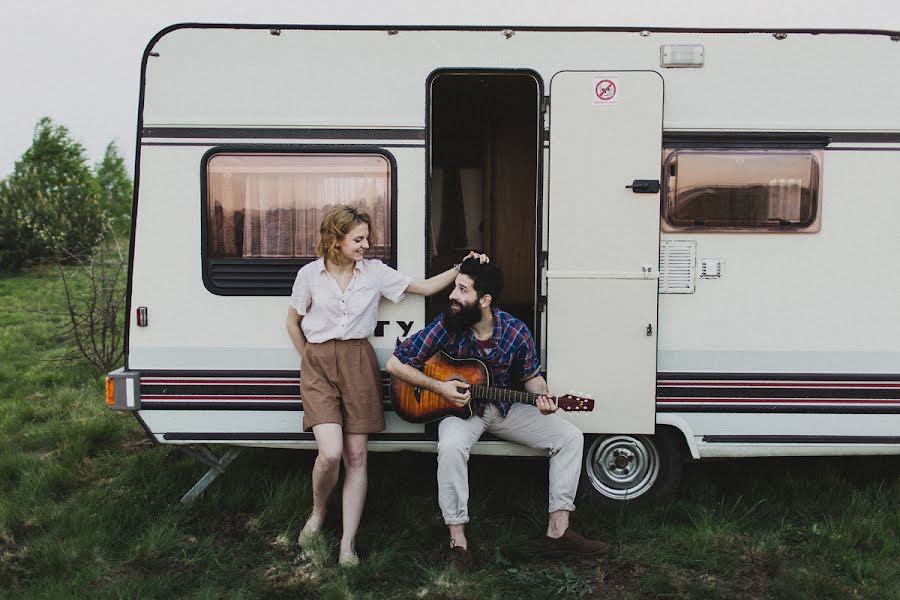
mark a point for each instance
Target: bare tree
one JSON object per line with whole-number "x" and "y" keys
{"x": 94, "y": 288}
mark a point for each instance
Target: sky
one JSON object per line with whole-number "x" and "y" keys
{"x": 78, "y": 62}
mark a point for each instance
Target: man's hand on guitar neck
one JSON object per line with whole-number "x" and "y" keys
{"x": 546, "y": 403}
{"x": 456, "y": 392}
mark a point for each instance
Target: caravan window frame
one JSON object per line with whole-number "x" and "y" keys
{"x": 809, "y": 223}
{"x": 258, "y": 276}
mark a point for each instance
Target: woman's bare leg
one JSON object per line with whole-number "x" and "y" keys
{"x": 355, "y": 485}
{"x": 329, "y": 438}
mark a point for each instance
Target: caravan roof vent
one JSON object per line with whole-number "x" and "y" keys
{"x": 677, "y": 266}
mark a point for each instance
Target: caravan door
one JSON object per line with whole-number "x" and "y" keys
{"x": 603, "y": 244}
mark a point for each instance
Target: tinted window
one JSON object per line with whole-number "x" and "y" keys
{"x": 742, "y": 189}
{"x": 271, "y": 205}
{"x": 263, "y": 210}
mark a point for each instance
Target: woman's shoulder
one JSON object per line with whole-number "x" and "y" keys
{"x": 375, "y": 266}
{"x": 311, "y": 268}
{"x": 372, "y": 263}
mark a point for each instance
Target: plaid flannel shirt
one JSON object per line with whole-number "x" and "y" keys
{"x": 512, "y": 354}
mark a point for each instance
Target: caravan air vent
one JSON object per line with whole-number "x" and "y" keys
{"x": 677, "y": 266}
{"x": 710, "y": 268}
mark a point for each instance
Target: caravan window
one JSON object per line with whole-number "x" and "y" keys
{"x": 271, "y": 205}
{"x": 750, "y": 190}
{"x": 263, "y": 212}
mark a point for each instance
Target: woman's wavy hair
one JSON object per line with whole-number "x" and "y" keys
{"x": 336, "y": 224}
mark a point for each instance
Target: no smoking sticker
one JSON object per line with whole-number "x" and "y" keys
{"x": 605, "y": 91}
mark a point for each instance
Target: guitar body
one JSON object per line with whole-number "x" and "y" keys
{"x": 423, "y": 406}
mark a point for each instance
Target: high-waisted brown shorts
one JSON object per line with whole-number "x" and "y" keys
{"x": 340, "y": 382}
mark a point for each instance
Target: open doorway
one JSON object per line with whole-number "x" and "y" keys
{"x": 484, "y": 132}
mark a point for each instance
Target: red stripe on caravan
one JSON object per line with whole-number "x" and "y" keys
{"x": 222, "y": 381}
{"x": 707, "y": 400}
{"x": 668, "y": 383}
{"x": 242, "y": 398}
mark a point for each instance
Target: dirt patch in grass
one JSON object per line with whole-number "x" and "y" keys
{"x": 12, "y": 562}
{"x": 235, "y": 530}
{"x": 745, "y": 579}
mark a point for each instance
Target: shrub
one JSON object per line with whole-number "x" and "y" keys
{"x": 49, "y": 205}
{"x": 116, "y": 187}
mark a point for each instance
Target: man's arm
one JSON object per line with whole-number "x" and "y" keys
{"x": 538, "y": 385}
{"x": 411, "y": 375}
{"x": 527, "y": 362}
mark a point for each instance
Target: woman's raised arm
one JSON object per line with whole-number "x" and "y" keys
{"x": 441, "y": 281}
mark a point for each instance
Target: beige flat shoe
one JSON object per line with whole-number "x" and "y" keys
{"x": 348, "y": 559}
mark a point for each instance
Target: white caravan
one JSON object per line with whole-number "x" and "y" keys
{"x": 699, "y": 226}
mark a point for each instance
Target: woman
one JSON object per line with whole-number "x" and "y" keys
{"x": 333, "y": 310}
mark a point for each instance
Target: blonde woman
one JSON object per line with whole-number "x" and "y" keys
{"x": 333, "y": 310}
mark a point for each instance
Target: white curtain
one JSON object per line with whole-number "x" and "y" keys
{"x": 784, "y": 199}
{"x": 283, "y": 212}
{"x": 271, "y": 206}
{"x": 269, "y": 216}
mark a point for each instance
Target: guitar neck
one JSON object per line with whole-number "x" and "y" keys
{"x": 495, "y": 394}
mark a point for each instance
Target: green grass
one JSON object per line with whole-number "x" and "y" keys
{"x": 89, "y": 508}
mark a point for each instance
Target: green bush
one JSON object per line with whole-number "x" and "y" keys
{"x": 50, "y": 204}
{"x": 116, "y": 187}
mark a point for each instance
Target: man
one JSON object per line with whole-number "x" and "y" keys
{"x": 474, "y": 328}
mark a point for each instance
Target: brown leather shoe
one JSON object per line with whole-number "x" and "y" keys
{"x": 572, "y": 542}
{"x": 460, "y": 559}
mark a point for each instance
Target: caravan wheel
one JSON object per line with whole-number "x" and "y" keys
{"x": 620, "y": 468}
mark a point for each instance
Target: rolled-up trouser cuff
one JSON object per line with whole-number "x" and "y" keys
{"x": 456, "y": 521}
{"x": 567, "y": 506}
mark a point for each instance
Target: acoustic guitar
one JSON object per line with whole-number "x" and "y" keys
{"x": 418, "y": 405}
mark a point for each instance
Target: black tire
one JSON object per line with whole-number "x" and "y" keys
{"x": 622, "y": 468}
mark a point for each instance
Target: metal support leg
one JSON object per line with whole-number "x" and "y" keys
{"x": 217, "y": 467}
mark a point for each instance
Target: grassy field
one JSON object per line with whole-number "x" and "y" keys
{"x": 89, "y": 508}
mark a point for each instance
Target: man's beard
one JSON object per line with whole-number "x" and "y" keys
{"x": 463, "y": 317}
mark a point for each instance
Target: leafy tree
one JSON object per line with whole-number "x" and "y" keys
{"x": 49, "y": 205}
{"x": 115, "y": 186}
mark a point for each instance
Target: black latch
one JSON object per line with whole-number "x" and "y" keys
{"x": 644, "y": 186}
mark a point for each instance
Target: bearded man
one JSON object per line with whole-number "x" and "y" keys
{"x": 474, "y": 328}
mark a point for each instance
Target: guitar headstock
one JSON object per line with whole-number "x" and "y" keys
{"x": 572, "y": 403}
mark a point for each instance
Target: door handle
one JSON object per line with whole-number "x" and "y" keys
{"x": 644, "y": 186}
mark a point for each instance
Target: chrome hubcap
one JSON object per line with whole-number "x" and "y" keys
{"x": 622, "y": 466}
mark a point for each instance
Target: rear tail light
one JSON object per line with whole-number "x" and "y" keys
{"x": 123, "y": 390}
{"x": 110, "y": 391}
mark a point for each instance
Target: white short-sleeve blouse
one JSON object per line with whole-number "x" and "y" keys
{"x": 329, "y": 314}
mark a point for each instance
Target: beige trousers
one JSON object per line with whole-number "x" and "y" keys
{"x": 523, "y": 424}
